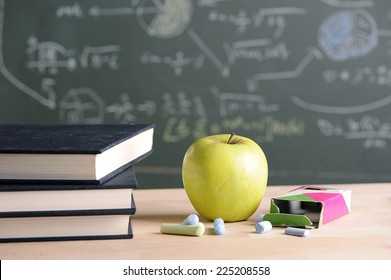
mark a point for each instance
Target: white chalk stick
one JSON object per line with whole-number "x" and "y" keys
{"x": 192, "y": 219}
{"x": 263, "y": 227}
{"x": 297, "y": 231}
{"x": 181, "y": 229}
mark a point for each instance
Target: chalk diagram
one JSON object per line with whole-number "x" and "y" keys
{"x": 164, "y": 19}
{"x": 158, "y": 18}
{"x": 46, "y": 96}
{"x": 342, "y": 36}
{"x": 346, "y": 35}
{"x": 82, "y": 105}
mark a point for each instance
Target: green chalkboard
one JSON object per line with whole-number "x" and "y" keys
{"x": 310, "y": 81}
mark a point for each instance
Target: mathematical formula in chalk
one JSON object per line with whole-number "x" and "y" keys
{"x": 282, "y": 72}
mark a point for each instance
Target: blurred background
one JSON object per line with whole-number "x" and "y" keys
{"x": 308, "y": 80}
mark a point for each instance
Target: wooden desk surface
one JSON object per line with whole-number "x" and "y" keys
{"x": 363, "y": 234}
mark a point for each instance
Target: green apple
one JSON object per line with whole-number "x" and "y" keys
{"x": 225, "y": 176}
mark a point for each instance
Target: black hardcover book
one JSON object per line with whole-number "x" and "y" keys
{"x": 113, "y": 196}
{"x": 63, "y": 228}
{"x": 83, "y": 153}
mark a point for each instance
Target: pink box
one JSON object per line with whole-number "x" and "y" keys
{"x": 309, "y": 206}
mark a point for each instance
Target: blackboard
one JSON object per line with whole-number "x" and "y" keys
{"x": 310, "y": 81}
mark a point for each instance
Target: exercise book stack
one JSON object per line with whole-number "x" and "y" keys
{"x": 69, "y": 182}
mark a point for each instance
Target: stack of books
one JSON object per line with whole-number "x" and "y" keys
{"x": 69, "y": 182}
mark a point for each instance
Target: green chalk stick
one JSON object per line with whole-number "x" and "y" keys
{"x": 181, "y": 229}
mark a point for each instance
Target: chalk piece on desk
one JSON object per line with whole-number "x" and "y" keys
{"x": 259, "y": 218}
{"x": 263, "y": 227}
{"x": 297, "y": 231}
{"x": 192, "y": 219}
{"x": 218, "y": 226}
{"x": 181, "y": 229}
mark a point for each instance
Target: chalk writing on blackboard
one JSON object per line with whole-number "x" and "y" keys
{"x": 341, "y": 109}
{"x": 379, "y": 76}
{"x": 252, "y": 83}
{"x": 161, "y": 19}
{"x": 255, "y": 49}
{"x": 348, "y": 3}
{"x": 285, "y": 73}
{"x": 371, "y": 130}
{"x": 239, "y": 103}
{"x": 81, "y": 105}
{"x": 47, "y": 96}
{"x": 51, "y": 56}
{"x": 178, "y": 62}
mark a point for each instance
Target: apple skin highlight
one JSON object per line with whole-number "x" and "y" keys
{"x": 225, "y": 180}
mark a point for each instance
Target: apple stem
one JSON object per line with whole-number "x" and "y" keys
{"x": 230, "y": 137}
